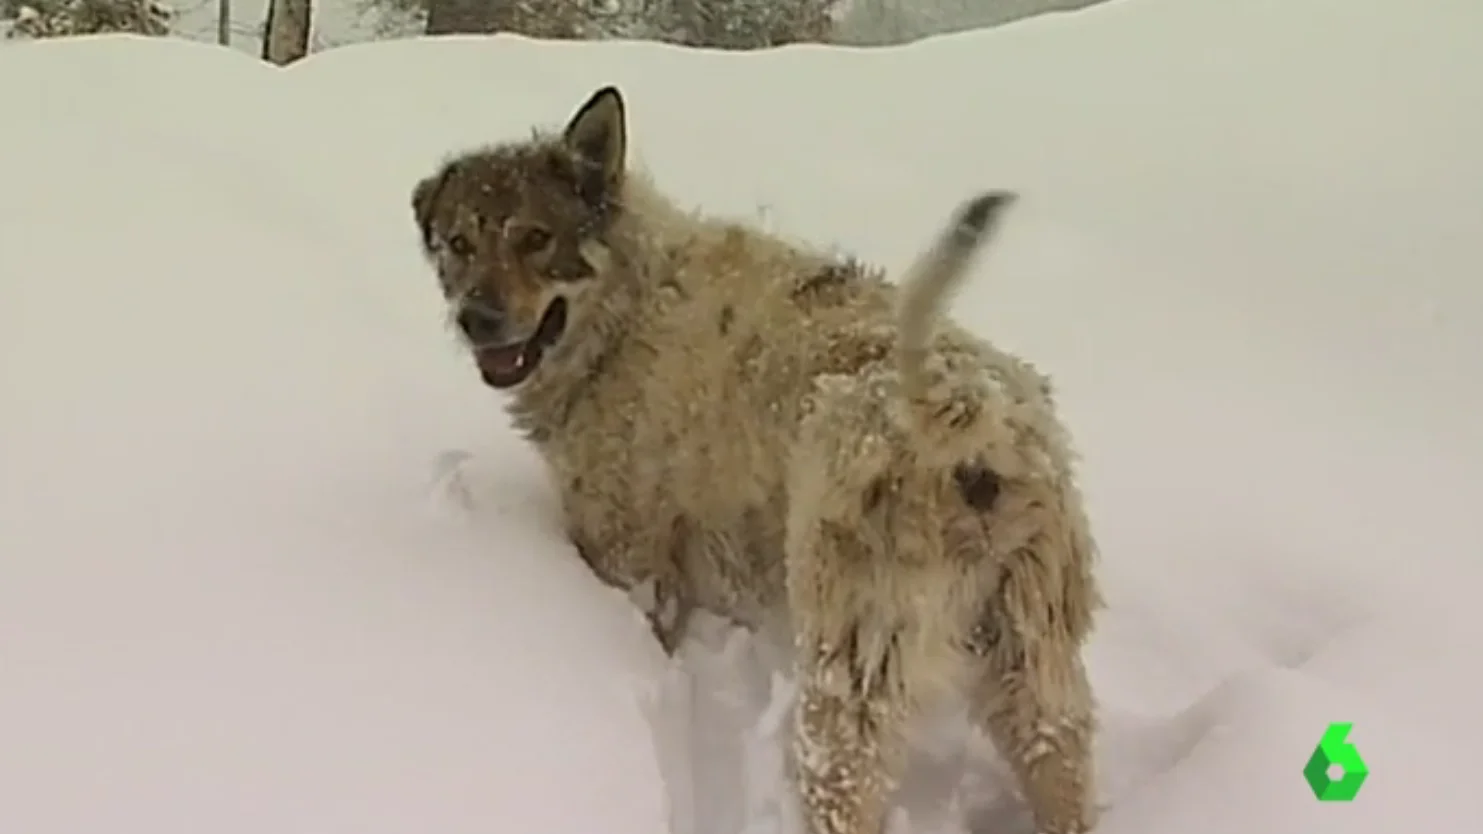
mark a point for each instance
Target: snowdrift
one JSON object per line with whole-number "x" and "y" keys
{"x": 270, "y": 560}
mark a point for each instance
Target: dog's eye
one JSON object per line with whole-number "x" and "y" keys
{"x": 531, "y": 240}
{"x": 460, "y": 246}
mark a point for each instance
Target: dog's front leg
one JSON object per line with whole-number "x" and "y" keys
{"x": 653, "y": 580}
{"x": 848, "y": 736}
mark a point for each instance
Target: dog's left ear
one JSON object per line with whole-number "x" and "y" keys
{"x": 424, "y": 197}
{"x": 598, "y": 136}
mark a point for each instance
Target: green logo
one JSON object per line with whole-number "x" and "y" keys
{"x": 1335, "y": 770}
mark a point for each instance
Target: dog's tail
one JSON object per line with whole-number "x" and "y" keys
{"x": 937, "y": 274}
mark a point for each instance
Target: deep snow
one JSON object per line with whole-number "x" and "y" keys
{"x": 271, "y": 562}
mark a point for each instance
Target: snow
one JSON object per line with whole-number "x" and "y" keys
{"x": 271, "y": 561}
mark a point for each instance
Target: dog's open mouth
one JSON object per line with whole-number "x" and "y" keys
{"x": 509, "y": 365}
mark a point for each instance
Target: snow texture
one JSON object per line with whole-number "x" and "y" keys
{"x": 271, "y": 561}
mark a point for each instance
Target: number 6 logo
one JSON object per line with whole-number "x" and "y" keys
{"x": 1334, "y": 752}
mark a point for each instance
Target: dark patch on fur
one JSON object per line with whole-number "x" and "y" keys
{"x": 826, "y": 284}
{"x": 989, "y": 636}
{"x": 728, "y": 315}
{"x": 978, "y": 485}
{"x": 992, "y": 635}
{"x": 983, "y": 637}
{"x": 747, "y": 355}
{"x": 875, "y": 494}
{"x": 853, "y": 353}
{"x": 866, "y": 674}
{"x": 959, "y": 413}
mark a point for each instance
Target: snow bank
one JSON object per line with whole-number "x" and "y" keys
{"x": 270, "y": 561}
{"x": 239, "y": 591}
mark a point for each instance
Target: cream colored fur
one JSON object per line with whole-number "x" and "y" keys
{"x": 739, "y": 423}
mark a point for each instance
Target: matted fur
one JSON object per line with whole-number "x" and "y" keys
{"x": 739, "y": 423}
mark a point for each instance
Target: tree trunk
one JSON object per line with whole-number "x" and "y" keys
{"x": 286, "y": 32}
{"x": 224, "y": 22}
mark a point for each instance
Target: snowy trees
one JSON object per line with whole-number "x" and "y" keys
{"x": 535, "y": 18}
{"x": 718, "y": 24}
{"x": 715, "y": 24}
{"x": 741, "y": 24}
{"x": 285, "y": 33}
{"x": 59, "y": 18}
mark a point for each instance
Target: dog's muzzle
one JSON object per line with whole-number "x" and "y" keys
{"x": 504, "y": 362}
{"x": 481, "y": 325}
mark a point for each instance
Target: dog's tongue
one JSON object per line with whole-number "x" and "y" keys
{"x": 502, "y": 361}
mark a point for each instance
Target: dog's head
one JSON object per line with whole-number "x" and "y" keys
{"x": 517, "y": 235}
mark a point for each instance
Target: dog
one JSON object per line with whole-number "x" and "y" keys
{"x": 740, "y": 424}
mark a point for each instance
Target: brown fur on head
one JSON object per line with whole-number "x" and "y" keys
{"x": 517, "y": 234}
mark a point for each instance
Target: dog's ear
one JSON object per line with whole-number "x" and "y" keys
{"x": 597, "y": 136}
{"x": 424, "y": 198}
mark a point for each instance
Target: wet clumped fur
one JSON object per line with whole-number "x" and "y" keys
{"x": 740, "y": 424}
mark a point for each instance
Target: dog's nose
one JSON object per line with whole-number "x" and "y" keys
{"x": 481, "y": 325}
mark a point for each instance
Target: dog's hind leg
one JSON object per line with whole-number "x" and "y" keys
{"x": 1032, "y": 698}
{"x": 855, "y": 616}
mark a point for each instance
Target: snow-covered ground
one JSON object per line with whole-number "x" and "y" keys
{"x": 272, "y": 563}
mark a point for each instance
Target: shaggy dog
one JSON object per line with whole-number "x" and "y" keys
{"x": 740, "y": 424}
